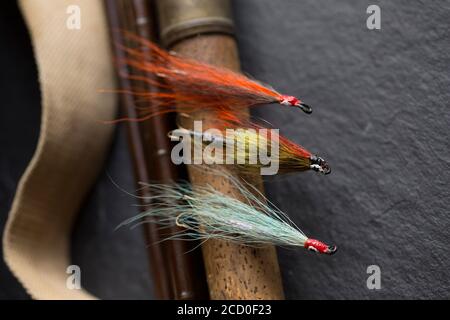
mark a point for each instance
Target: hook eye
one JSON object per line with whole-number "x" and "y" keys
{"x": 320, "y": 165}
{"x": 173, "y": 137}
{"x": 180, "y": 224}
{"x": 331, "y": 250}
{"x": 305, "y": 108}
{"x": 178, "y": 134}
{"x": 326, "y": 169}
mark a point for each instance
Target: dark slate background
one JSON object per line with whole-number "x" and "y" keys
{"x": 380, "y": 118}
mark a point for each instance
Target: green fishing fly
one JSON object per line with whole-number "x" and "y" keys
{"x": 205, "y": 213}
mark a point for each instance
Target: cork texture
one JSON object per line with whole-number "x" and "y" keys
{"x": 233, "y": 271}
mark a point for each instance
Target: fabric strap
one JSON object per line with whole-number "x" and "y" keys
{"x": 72, "y": 65}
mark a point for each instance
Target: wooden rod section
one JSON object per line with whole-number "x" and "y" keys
{"x": 177, "y": 272}
{"x": 233, "y": 271}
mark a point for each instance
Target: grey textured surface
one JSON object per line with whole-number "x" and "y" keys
{"x": 114, "y": 262}
{"x": 380, "y": 118}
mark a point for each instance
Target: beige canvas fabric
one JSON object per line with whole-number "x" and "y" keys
{"x": 72, "y": 66}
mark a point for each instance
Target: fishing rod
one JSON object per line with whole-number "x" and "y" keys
{"x": 175, "y": 275}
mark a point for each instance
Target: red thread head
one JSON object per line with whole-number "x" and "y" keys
{"x": 289, "y": 101}
{"x": 294, "y": 102}
{"x": 320, "y": 247}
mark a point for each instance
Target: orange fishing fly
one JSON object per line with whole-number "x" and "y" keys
{"x": 186, "y": 85}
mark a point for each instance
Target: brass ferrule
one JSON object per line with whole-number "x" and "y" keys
{"x": 180, "y": 19}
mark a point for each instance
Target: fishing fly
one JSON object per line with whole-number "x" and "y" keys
{"x": 205, "y": 213}
{"x": 187, "y": 85}
{"x": 248, "y": 145}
